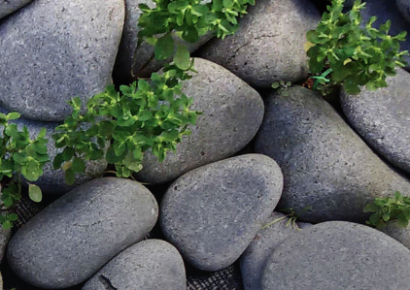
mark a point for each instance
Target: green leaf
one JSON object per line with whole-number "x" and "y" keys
{"x": 35, "y": 193}
{"x": 164, "y": 48}
{"x": 13, "y": 116}
{"x": 78, "y": 165}
{"x": 70, "y": 176}
{"x": 182, "y": 57}
{"x": 58, "y": 161}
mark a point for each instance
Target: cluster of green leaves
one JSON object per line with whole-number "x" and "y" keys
{"x": 20, "y": 155}
{"x": 282, "y": 87}
{"x": 145, "y": 115}
{"x": 387, "y": 210}
{"x": 341, "y": 52}
{"x": 190, "y": 19}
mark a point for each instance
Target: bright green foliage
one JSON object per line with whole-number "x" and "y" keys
{"x": 387, "y": 210}
{"x": 19, "y": 155}
{"x": 282, "y": 87}
{"x": 190, "y": 19}
{"x": 341, "y": 52}
{"x": 145, "y": 115}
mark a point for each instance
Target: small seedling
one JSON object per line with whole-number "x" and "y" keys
{"x": 292, "y": 216}
{"x": 282, "y": 87}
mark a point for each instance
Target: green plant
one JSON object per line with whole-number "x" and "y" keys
{"x": 282, "y": 87}
{"x": 145, "y": 115}
{"x": 291, "y": 215}
{"x": 386, "y": 210}
{"x": 341, "y": 52}
{"x": 19, "y": 156}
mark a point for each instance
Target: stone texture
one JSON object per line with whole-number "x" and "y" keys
{"x": 269, "y": 44}
{"x": 338, "y": 256}
{"x": 398, "y": 233}
{"x": 232, "y": 114}
{"x": 254, "y": 259}
{"x": 148, "y": 265}
{"x": 131, "y": 61}
{"x": 404, "y": 8}
{"x": 9, "y": 6}
{"x": 326, "y": 165}
{"x": 212, "y": 214}
{"x": 52, "y": 51}
{"x": 4, "y": 239}
{"x": 382, "y": 118}
{"x": 75, "y": 236}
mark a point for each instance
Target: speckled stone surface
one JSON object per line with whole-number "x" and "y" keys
{"x": 9, "y": 6}
{"x": 147, "y": 265}
{"x": 232, "y": 115}
{"x": 53, "y": 50}
{"x": 326, "y": 165}
{"x": 338, "y": 256}
{"x": 382, "y": 118}
{"x": 138, "y": 61}
{"x": 212, "y": 214}
{"x": 254, "y": 259}
{"x": 70, "y": 240}
{"x": 269, "y": 44}
{"x": 398, "y": 233}
{"x": 4, "y": 239}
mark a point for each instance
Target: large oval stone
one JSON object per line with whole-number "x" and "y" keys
{"x": 382, "y": 118}
{"x": 330, "y": 172}
{"x": 232, "y": 113}
{"x": 9, "y": 6}
{"x": 211, "y": 214}
{"x": 75, "y": 236}
{"x": 147, "y": 265}
{"x": 269, "y": 44}
{"x": 338, "y": 256}
{"x": 52, "y": 51}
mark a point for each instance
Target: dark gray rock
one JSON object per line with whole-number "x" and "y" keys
{"x": 326, "y": 165}
{"x": 132, "y": 62}
{"x": 232, "y": 114}
{"x": 212, "y": 214}
{"x": 4, "y": 239}
{"x": 338, "y": 256}
{"x": 75, "y": 236}
{"x": 147, "y": 265}
{"x": 404, "y": 8}
{"x": 9, "y": 6}
{"x": 253, "y": 260}
{"x": 382, "y": 118}
{"x": 269, "y": 44}
{"x": 52, "y": 51}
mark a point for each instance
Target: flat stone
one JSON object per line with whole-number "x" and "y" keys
{"x": 212, "y": 214}
{"x": 147, "y": 265}
{"x": 253, "y": 260}
{"x": 232, "y": 115}
{"x": 132, "y": 62}
{"x": 4, "y": 239}
{"x": 70, "y": 240}
{"x": 382, "y": 118}
{"x": 9, "y": 6}
{"x": 269, "y": 44}
{"x": 52, "y": 51}
{"x": 330, "y": 172}
{"x": 338, "y": 256}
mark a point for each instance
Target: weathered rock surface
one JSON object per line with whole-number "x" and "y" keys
{"x": 269, "y": 44}
{"x": 4, "y": 239}
{"x": 75, "y": 236}
{"x": 9, "y": 6}
{"x": 212, "y": 214}
{"x": 253, "y": 260}
{"x": 52, "y": 51}
{"x": 404, "y": 8}
{"x": 232, "y": 114}
{"x": 326, "y": 165}
{"x": 147, "y": 265}
{"x": 382, "y": 118}
{"x": 338, "y": 256}
{"x": 131, "y": 61}
{"x": 398, "y": 233}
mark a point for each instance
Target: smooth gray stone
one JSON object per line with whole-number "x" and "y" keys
{"x": 326, "y": 165}
{"x": 338, "y": 256}
{"x": 52, "y": 51}
{"x": 70, "y": 240}
{"x": 4, "y": 239}
{"x": 398, "y": 233}
{"x": 232, "y": 115}
{"x": 9, "y": 6}
{"x": 382, "y": 118}
{"x": 404, "y": 8}
{"x": 253, "y": 260}
{"x": 212, "y": 214}
{"x": 147, "y": 265}
{"x": 269, "y": 44}
{"x": 132, "y": 62}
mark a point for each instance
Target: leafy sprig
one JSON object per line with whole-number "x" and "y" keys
{"x": 387, "y": 210}
{"x": 341, "y": 52}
